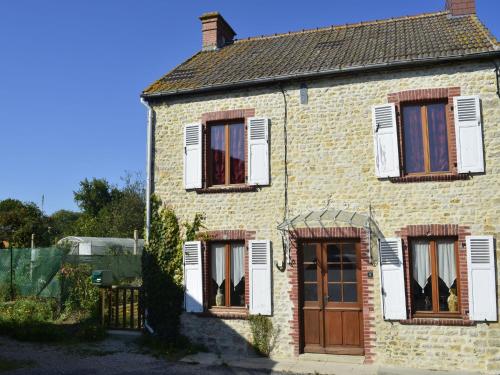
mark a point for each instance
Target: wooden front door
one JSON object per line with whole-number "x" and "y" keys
{"x": 332, "y": 298}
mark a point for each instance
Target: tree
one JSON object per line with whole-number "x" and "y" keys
{"x": 109, "y": 211}
{"x": 63, "y": 223}
{"x": 94, "y": 195}
{"x": 18, "y": 221}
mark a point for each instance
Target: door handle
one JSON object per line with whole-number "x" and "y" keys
{"x": 326, "y": 299}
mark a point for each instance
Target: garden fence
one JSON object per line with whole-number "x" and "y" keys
{"x": 35, "y": 272}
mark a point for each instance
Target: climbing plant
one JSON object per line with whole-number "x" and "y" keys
{"x": 162, "y": 269}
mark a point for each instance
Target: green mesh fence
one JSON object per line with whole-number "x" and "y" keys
{"x": 34, "y": 272}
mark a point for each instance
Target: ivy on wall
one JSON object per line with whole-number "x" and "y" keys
{"x": 162, "y": 269}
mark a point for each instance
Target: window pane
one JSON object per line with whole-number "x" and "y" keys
{"x": 237, "y": 275}
{"x": 237, "y": 153}
{"x": 421, "y": 281}
{"x": 310, "y": 292}
{"x": 413, "y": 141}
{"x": 334, "y": 292}
{"x": 333, "y": 253}
{"x": 438, "y": 137}
{"x": 310, "y": 272}
{"x": 349, "y": 272}
{"x": 309, "y": 253}
{"x": 348, "y": 253}
{"x": 350, "y": 293}
{"x": 218, "y": 271}
{"x": 218, "y": 154}
{"x": 448, "y": 300}
{"x": 334, "y": 272}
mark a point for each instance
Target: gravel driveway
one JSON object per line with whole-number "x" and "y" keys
{"x": 112, "y": 356}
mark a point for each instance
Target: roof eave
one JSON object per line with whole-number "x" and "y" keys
{"x": 352, "y": 69}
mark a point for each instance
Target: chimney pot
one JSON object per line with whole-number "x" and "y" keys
{"x": 461, "y": 7}
{"x": 216, "y": 32}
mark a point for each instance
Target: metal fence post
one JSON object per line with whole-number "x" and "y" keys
{"x": 11, "y": 274}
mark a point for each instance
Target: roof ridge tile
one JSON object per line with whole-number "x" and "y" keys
{"x": 343, "y": 26}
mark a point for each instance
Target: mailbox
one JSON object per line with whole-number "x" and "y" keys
{"x": 102, "y": 277}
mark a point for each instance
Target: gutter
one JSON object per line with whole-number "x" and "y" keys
{"x": 353, "y": 69}
{"x": 149, "y": 153}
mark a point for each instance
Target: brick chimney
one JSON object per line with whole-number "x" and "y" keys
{"x": 216, "y": 32}
{"x": 461, "y": 7}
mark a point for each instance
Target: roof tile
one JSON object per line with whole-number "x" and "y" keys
{"x": 404, "y": 39}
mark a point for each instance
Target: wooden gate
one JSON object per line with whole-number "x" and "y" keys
{"x": 122, "y": 307}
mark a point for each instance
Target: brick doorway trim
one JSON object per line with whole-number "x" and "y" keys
{"x": 334, "y": 233}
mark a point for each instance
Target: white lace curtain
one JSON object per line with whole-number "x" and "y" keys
{"x": 218, "y": 263}
{"x": 237, "y": 263}
{"x": 447, "y": 264}
{"x": 421, "y": 263}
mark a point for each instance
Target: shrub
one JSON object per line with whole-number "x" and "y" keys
{"x": 29, "y": 310}
{"x": 79, "y": 296}
{"x": 263, "y": 334}
{"x": 162, "y": 270}
{"x": 5, "y": 292}
{"x": 30, "y": 319}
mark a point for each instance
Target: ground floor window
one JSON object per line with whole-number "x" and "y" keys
{"x": 227, "y": 274}
{"x": 434, "y": 281}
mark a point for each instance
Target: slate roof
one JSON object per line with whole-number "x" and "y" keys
{"x": 433, "y": 36}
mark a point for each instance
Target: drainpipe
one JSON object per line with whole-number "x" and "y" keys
{"x": 497, "y": 75}
{"x": 149, "y": 157}
{"x": 149, "y": 154}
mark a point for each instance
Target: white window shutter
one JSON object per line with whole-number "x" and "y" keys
{"x": 192, "y": 156}
{"x": 260, "y": 277}
{"x": 392, "y": 278}
{"x": 385, "y": 137}
{"x": 258, "y": 151}
{"x": 482, "y": 283}
{"x": 468, "y": 134}
{"x": 193, "y": 284}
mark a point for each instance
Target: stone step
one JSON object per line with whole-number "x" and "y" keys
{"x": 332, "y": 358}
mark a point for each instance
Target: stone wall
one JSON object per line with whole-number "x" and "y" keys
{"x": 331, "y": 158}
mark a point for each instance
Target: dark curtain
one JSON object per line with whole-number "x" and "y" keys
{"x": 414, "y": 146}
{"x": 237, "y": 153}
{"x": 218, "y": 154}
{"x": 438, "y": 137}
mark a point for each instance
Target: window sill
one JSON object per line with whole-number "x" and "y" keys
{"x": 431, "y": 177}
{"x": 226, "y": 313}
{"x": 227, "y": 189}
{"x": 458, "y": 321}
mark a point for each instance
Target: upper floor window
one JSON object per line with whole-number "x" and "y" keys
{"x": 227, "y": 154}
{"x": 425, "y": 134}
{"x": 428, "y": 135}
{"x": 434, "y": 282}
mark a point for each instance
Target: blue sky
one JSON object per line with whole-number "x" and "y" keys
{"x": 71, "y": 73}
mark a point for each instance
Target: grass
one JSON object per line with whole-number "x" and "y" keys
{"x": 170, "y": 351}
{"x": 36, "y": 320}
{"x": 10, "y": 365}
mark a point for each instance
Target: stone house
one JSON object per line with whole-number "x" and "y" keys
{"x": 349, "y": 177}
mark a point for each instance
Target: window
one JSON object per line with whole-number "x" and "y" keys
{"x": 425, "y": 135}
{"x": 227, "y": 153}
{"x": 227, "y": 274}
{"x": 434, "y": 282}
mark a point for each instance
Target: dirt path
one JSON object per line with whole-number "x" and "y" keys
{"x": 112, "y": 356}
